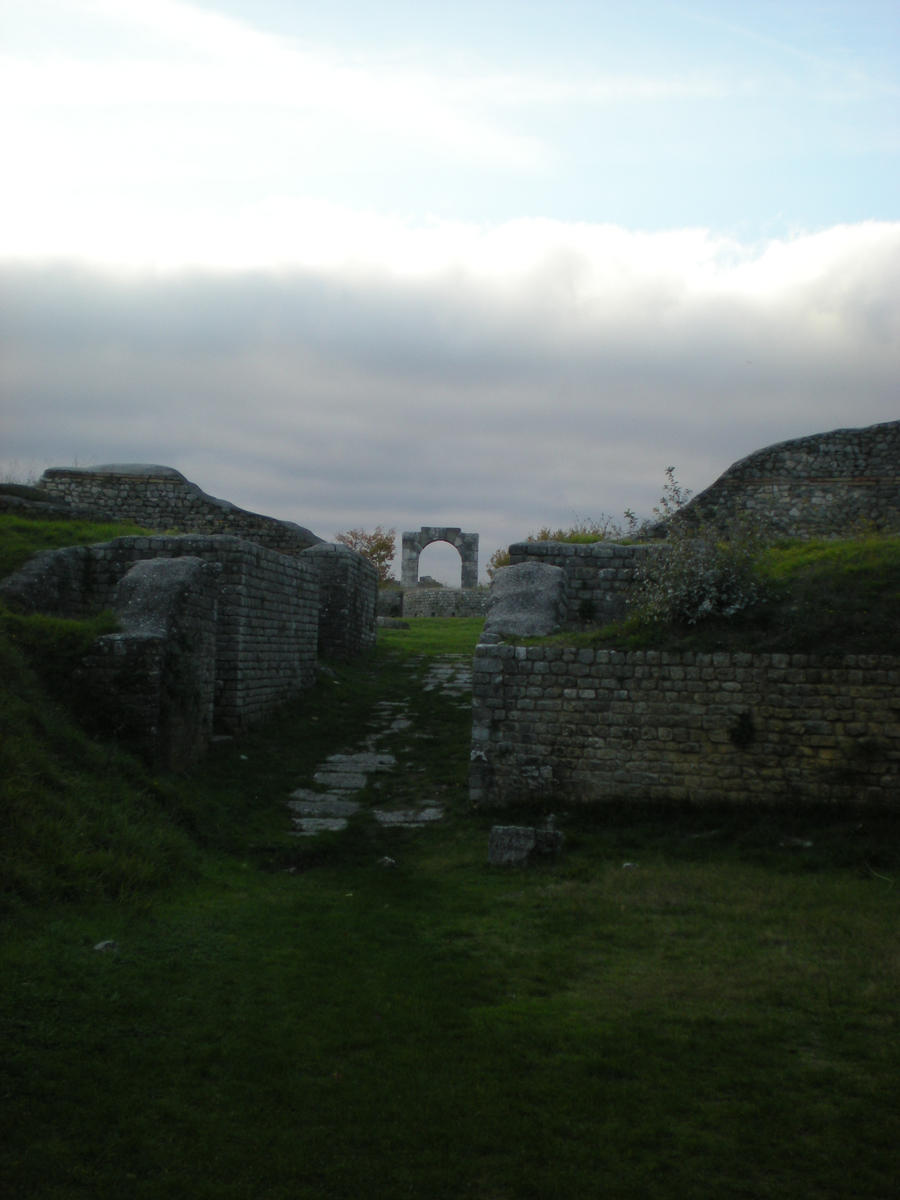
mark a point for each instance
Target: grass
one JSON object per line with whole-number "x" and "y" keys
{"x": 430, "y": 635}
{"x": 822, "y": 597}
{"x": 21, "y": 537}
{"x": 292, "y": 1018}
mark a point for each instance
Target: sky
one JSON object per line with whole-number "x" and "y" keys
{"x": 494, "y": 265}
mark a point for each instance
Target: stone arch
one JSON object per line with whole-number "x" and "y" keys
{"x": 414, "y": 543}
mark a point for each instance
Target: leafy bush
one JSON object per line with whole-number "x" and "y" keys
{"x": 500, "y": 558}
{"x": 699, "y": 575}
{"x": 702, "y": 572}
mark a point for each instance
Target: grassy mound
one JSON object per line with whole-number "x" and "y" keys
{"x": 20, "y": 536}
{"x": 822, "y": 597}
{"x": 79, "y": 820}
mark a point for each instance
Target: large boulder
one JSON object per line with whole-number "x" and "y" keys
{"x": 527, "y": 600}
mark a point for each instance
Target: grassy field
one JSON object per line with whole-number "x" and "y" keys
{"x": 686, "y": 1004}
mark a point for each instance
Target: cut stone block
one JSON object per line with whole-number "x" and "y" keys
{"x": 510, "y": 845}
{"x": 527, "y": 600}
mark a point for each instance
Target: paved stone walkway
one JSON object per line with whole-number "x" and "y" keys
{"x": 329, "y": 802}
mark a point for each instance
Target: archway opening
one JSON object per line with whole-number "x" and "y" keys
{"x": 441, "y": 562}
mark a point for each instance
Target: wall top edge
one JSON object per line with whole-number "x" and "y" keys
{"x": 683, "y": 658}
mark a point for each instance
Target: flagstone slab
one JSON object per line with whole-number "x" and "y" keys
{"x": 311, "y": 826}
{"x": 323, "y": 806}
{"x": 341, "y": 781}
{"x": 408, "y": 818}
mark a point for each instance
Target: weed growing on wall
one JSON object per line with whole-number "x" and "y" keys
{"x": 584, "y": 531}
{"x": 704, "y": 573}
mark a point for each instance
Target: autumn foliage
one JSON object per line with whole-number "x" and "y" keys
{"x": 378, "y": 547}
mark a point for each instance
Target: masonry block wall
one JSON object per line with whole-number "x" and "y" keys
{"x": 445, "y": 602}
{"x": 160, "y": 498}
{"x": 153, "y": 684}
{"x": 598, "y": 575}
{"x": 267, "y": 610}
{"x": 815, "y": 486}
{"x": 582, "y": 726}
{"x": 348, "y": 591}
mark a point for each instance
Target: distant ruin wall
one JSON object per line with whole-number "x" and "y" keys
{"x": 266, "y": 612}
{"x": 413, "y": 542}
{"x": 598, "y": 575}
{"x": 444, "y": 602}
{"x": 576, "y": 726}
{"x": 160, "y": 498}
{"x": 824, "y": 485}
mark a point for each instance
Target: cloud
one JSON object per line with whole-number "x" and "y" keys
{"x": 500, "y": 379}
{"x": 199, "y": 60}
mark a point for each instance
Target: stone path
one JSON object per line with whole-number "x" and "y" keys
{"x": 329, "y": 803}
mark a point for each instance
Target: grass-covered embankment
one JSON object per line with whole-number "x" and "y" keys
{"x": 295, "y": 1019}
{"x": 818, "y": 597}
{"x": 22, "y": 536}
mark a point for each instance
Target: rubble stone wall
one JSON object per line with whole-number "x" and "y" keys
{"x": 161, "y": 498}
{"x": 841, "y": 482}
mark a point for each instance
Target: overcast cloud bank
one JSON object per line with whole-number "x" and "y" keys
{"x": 514, "y": 376}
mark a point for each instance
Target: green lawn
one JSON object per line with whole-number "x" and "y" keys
{"x": 294, "y": 1018}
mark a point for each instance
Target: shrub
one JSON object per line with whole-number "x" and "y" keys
{"x": 500, "y": 558}
{"x": 703, "y": 572}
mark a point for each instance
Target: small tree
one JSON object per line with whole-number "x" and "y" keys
{"x": 500, "y": 558}
{"x": 378, "y": 547}
{"x": 703, "y": 571}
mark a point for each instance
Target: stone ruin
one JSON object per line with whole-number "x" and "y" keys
{"x": 219, "y": 623}
{"x": 570, "y": 725}
{"x": 826, "y": 484}
{"x": 414, "y": 543}
{"x": 416, "y": 600}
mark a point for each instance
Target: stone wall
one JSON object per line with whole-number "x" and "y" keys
{"x": 445, "y": 602}
{"x": 153, "y": 684}
{"x": 348, "y": 590}
{"x": 819, "y": 486}
{"x": 266, "y": 615}
{"x": 160, "y": 498}
{"x": 577, "y": 726}
{"x": 598, "y": 575}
